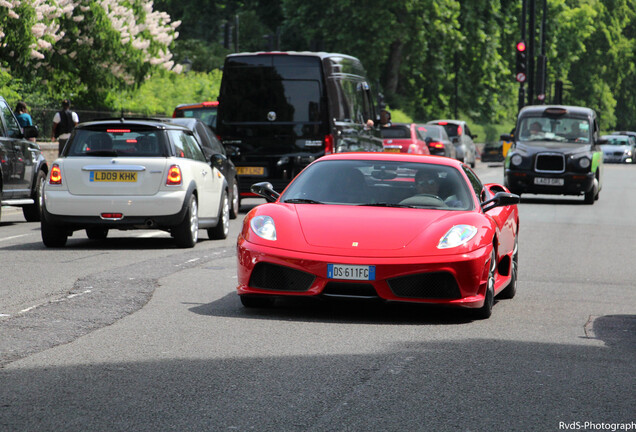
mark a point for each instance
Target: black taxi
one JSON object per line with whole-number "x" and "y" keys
{"x": 556, "y": 150}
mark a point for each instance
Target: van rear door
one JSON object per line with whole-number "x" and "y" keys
{"x": 272, "y": 110}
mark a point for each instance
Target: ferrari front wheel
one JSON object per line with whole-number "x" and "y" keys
{"x": 485, "y": 311}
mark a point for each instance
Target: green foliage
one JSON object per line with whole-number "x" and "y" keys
{"x": 160, "y": 94}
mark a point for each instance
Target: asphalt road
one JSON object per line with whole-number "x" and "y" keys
{"x": 132, "y": 333}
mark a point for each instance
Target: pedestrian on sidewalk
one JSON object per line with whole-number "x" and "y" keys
{"x": 63, "y": 123}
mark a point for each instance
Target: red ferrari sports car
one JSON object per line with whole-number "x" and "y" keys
{"x": 398, "y": 227}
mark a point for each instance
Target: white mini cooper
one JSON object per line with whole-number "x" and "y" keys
{"x": 134, "y": 174}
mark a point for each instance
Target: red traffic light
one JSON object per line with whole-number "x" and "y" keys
{"x": 521, "y": 46}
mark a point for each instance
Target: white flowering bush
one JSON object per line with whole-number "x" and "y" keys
{"x": 85, "y": 47}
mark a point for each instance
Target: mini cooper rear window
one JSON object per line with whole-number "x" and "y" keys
{"x": 117, "y": 141}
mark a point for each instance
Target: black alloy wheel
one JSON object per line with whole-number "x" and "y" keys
{"x": 33, "y": 212}
{"x": 485, "y": 311}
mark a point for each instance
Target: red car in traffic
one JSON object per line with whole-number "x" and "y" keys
{"x": 404, "y": 138}
{"x": 396, "y": 227}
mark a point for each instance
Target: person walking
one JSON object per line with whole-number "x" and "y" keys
{"x": 63, "y": 123}
{"x": 23, "y": 116}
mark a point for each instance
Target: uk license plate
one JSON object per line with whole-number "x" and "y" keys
{"x": 549, "y": 181}
{"x": 113, "y": 176}
{"x": 392, "y": 149}
{"x": 250, "y": 171}
{"x": 350, "y": 272}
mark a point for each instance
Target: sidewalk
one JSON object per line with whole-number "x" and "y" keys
{"x": 49, "y": 151}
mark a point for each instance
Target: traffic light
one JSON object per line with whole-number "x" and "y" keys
{"x": 520, "y": 71}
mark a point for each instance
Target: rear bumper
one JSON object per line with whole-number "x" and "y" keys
{"x": 161, "y": 211}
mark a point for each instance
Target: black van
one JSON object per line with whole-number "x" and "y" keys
{"x": 279, "y": 111}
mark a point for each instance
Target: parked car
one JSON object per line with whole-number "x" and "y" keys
{"x": 282, "y": 110}
{"x": 205, "y": 111}
{"x": 556, "y": 150}
{"x": 619, "y": 149}
{"x": 395, "y": 227}
{"x": 23, "y": 168}
{"x": 134, "y": 174}
{"x": 403, "y": 138}
{"x": 437, "y": 140}
{"x": 493, "y": 152}
{"x": 462, "y": 139}
{"x": 212, "y": 146}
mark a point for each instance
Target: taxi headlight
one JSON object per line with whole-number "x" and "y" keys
{"x": 516, "y": 159}
{"x": 264, "y": 227}
{"x": 457, "y": 236}
{"x": 584, "y": 162}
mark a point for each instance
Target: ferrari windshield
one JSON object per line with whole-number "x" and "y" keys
{"x": 561, "y": 129}
{"x": 380, "y": 183}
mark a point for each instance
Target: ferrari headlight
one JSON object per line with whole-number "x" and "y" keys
{"x": 516, "y": 160}
{"x": 584, "y": 162}
{"x": 457, "y": 236}
{"x": 264, "y": 227}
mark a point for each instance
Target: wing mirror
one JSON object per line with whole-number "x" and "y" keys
{"x": 265, "y": 190}
{"x": 499, "y": 200}
{"x": 218, "y": 161}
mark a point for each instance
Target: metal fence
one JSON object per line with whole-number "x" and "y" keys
{"x": 43, "y": 118}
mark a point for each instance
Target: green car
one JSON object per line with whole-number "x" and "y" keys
{"x": 556, "y": 150}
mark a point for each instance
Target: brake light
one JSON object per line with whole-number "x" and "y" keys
{"x": 443, "y": 123}
{"x": 174, "y": 176}
{"x": 55, "y": 176}
{"x": 118, "y": 130}
{"x": 328, "y": 144}
{"x": 459, "y": 130}
{"x": 112, "y": 216}
{"x": 436, "y": 144}
{"x": 213, "y": 103}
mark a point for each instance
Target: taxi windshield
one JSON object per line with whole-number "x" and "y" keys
{"x": 561, "y": 129}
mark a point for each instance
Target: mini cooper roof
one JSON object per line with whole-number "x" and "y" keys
{"x": 144, "y": 122}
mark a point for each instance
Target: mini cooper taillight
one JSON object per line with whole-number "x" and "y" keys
{"x": 174, "y": 176}
{"x": 55, "y": 176}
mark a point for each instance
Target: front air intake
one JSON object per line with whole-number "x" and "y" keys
{"x": 275, "y": 277}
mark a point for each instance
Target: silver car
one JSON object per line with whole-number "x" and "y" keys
{"x": 619, "y": 149}
{"x": 461, "y": 137}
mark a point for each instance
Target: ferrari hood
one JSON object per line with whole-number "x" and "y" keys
{"x": 363, "y": 227}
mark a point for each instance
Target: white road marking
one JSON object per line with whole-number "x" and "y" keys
{"x": 14, "y": 237}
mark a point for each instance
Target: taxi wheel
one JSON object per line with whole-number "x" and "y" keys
{"x": 97, "y": 233}
{"x": 32, "y": 212}
{"x": 186, "y": 233}
{"x": 221, "y": 230}
{"x": 53, "y": 235}
{"x": 236, "y": 200}
{"x": 485, "y": 311}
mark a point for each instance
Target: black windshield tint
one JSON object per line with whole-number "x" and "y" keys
{"x": 117, "y": 141}
{"x": 272, "y": 88}
{"x": 396, "y": 132}
{"x": 379, "y": 183}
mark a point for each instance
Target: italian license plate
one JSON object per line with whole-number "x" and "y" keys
{"x": 113, "y": 176}
{"x": 251, "y": 171}
{"x": 350, "y": 272}
{"x": 548, "y": 181}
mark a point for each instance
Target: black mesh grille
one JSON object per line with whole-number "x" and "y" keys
{"x": 425, "y": 285}
{"x": 349, "y": 289}
{"x": 275, "y": 277}
{"x": 548, "y": 162}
